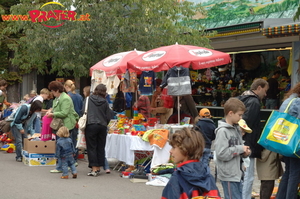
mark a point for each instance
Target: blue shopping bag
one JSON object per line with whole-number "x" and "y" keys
{"x": 281, "y": 134}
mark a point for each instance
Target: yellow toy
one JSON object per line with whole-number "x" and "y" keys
{"x": 9, "y": 148}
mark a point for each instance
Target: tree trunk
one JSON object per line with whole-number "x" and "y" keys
{"x": 13, "y": 91}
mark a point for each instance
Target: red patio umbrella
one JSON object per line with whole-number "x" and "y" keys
{"x": 116, "y": 63}
{"x": 166, "y": 57}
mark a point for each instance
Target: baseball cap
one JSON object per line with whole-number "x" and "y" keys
{"x": 204, "y": 113}
{"x": 244, "y": 126}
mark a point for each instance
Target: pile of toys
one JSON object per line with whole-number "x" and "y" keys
{"x": 136, "y": 126}
{"x": 6, "y": 143}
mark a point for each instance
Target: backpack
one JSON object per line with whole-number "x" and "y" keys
{"x": 119, "y": 102}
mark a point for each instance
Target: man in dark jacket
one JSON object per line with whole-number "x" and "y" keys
{"x": 273, "y": 91}
{"x": 252, "y": 100}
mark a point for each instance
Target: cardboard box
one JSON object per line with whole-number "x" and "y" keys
{"x": 39, "y": 147}
{"x": 35, "y": 159}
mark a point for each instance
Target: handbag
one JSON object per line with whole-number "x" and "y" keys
{"x": 81, "y": 143}
{"x": 281, "y": 134}
{"x": 56, "y": 123}
{"x": 82, "y": 120}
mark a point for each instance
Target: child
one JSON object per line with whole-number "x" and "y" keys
{"x": 207, "y": 127}
{"x": 191, "y": 177}
{"x": 65, "y": 151}
{"x": 230, "y": 149}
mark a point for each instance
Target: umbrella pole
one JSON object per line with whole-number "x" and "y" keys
{"x": 178, "y": 103}
{"x": 178, "y": 109}
{"x": 136, "y": 97}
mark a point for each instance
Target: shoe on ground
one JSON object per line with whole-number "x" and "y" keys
{"x": 94, "y": 173}
{"x": 55, "y": 171}
{"x": 74, "y": 175}
{"x": 130, "y": 168}
{"x": 19, "y": 159}
{"x": 76, "y": 164}
{"x": 107, "y": 171}
{"x": 64, "y": 177}
{"x": 156, "y": 182}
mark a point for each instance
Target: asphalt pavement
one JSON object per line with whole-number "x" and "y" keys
{"x": 20, "y": 181}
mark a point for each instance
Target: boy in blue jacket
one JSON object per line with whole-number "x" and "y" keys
{"x": 191, "y": 177}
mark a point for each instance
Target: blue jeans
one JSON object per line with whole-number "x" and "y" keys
{"x": 271, "y": 103}
{"x": 106, "y": 165}
{"x": 205, "y": 156}
{"x": 18, "y": 140}
{"x": 248, "y": 180}
{"x": 291, "y": 178}
{"x": 66, "y": 162}
{"x": 232, "y": 190}
{"x": 37, "y": 125}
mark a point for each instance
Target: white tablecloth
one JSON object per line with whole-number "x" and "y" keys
{"x": 122, "y": 147}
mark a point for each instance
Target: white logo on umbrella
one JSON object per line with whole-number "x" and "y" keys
{"x": 200, "y": 52}
{"x": 153, "y": 55}
{"x": 112, "y": 60}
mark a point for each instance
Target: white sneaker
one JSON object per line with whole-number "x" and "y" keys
{"x": 156, "y": 182}
{"x": 163, "y": 179}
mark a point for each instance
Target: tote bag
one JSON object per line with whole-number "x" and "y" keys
{"x": 81, "y": 143}
{"x": 281, "y": 134}
{"x": 82, "y": 119}
{"x": 46, "y": 129}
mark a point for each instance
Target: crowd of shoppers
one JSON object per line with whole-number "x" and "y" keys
{"x": 231, "y": 146}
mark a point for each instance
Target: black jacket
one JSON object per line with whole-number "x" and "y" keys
{"x": 252, "y": 118}
{"x": 98, "y": 110}
{"x": 207, "y": 128}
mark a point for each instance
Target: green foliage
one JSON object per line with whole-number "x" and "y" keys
{"x": 5, "y": 40}
{"x": 114, "y": 26}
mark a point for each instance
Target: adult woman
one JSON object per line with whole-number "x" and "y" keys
{"x": 77, "y": 99}
{"x": 86, "y": 93}
{"x": 63, "y": 108}
{"x": 289, "y": 182}
{"x": 20, "y": 128}
{"x": 98, "y": 117}
{"x": 77, "y": 102}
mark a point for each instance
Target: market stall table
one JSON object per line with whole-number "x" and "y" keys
{"x": 123, "y": 147}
